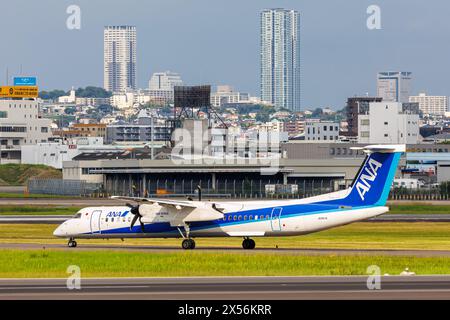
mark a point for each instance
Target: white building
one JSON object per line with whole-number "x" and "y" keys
{"x": 226, "y": 95}
{"x": 161, "y": 86}
{"x": 280, "y": 58}
{"x": 272, "y": 126}
{"x": 123, "y": 100}
{"x": 389, "y": 123}
{"x": 54, "y": 154}
{"x": 394, "y": 86}
{"x": 51, "y": 154}
{"x": 164, "y": 81}
{"x": 119, "y": 58}
{"x": 68, "y": 99}
{"x": 431, "y": 105}
{"x": 20, "y": 124}
{"x": 316, "y": 130}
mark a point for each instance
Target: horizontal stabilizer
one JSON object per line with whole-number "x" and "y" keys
{"x": 380, "y": 148}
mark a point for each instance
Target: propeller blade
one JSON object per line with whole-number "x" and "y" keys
{"x": 133, "y": 222}
{"x": 135, "y": 210}
{"x": 142, "y": 225}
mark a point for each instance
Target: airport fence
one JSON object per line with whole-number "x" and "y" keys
{"x": 64, "y": 187}
{"x": 433, "y": 194}
{"x": 233, "y": 189}
{"x": 228, "y": 188}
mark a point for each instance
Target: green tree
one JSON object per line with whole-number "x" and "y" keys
{"x": 52, "y": 95}
{"x": 92, "y": 92}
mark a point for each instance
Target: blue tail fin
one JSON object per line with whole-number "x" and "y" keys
{"x": 374, "y": 180}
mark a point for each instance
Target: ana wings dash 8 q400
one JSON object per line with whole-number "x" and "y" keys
{"x": 160, "y": 218}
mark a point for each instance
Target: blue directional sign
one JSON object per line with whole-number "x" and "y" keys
{"x": 25, "y": 81}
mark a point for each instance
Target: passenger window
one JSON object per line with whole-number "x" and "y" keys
{"x": 229, "y": 218}
{"x": 245, "y": 217}
{"x": 112, "y": 219}
{"x": 129, "y": 219}
{"x": 240, "y": 218}
{"x": 250, "y": 217}
{"x": 262, "y": 217}
{"x": 106, "y": 219}
{"x": 234, "y": 218}
{"x": 267, "y": 217}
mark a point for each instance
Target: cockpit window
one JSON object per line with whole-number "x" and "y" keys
{"x": 77, "y": 216}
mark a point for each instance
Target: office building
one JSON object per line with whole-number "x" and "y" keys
{"x": 394, "y": 86}
{"x": 21, "y": 124}
{"x": 431, "y": 105}
{"x": 146, "y": 129}
{"x": 316, "y": 130}
{"x": 164, "y": 81}
{"x": 280, "y": 58}
{"x": 161, "y": 86}
{"x": 226, "y": 95}
{"x": 119, "y": 58}
{"x": 355, "y": 107}
{"x": 389, "y": 123}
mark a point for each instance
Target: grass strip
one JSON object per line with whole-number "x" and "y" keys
{"x": 40, "y": 210}
{"x": 54, "y": 263}
{"x": 419, "y": 209}
{"x": 367, "y": 235}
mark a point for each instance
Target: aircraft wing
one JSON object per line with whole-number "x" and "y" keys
{"x": 180, "y": 211}
{"x": 174, "y": 203}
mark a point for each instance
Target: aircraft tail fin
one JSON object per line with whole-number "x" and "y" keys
{"x": 374, "y": 180}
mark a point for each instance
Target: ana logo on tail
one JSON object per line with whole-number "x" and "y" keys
{"x": 367, "y": 176}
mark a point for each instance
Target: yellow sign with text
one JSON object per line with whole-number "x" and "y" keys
{"x": 19, "y": 92}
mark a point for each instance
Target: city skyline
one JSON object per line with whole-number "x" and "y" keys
{"x": 335, "y": 42}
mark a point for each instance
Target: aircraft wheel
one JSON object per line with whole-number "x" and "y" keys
{"x": 72, "y": 244}
{"x": 188, "y": 244}
{"x": 248, "y": 244}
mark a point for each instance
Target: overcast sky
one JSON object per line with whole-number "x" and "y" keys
{"x": 217, "y": 42}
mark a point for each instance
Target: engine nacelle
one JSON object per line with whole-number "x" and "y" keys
{"x": 203, "y": 214}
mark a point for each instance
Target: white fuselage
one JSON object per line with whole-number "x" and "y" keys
{"x": 114, "y": 222}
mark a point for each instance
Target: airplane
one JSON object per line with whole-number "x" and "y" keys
{"x": 189, "y": 219}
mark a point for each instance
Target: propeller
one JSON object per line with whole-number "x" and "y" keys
{"x": 137, "y": 216}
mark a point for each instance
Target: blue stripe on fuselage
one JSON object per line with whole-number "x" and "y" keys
{"x": 288, "y": 212}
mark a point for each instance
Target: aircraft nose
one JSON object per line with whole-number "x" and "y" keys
{"x": 60, "y": 231}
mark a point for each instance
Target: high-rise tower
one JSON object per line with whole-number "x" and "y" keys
{"x": 280, "y": 58}
{"x": 119, "y": 58}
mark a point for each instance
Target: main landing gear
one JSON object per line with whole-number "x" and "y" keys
{"x": 188, "y": 244}
{"x": 72, "y": 243}
{"x": 248, "y": 244}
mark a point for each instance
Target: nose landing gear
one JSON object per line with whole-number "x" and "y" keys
{"x": 248, "y": 244}
{"x": 72, "y": 243}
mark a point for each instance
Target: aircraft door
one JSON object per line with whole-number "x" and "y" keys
{"x": 275, "y": 219}
{"x": 95, "y": 221}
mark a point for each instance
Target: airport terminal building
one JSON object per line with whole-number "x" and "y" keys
{"x": 314, "y": 167}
